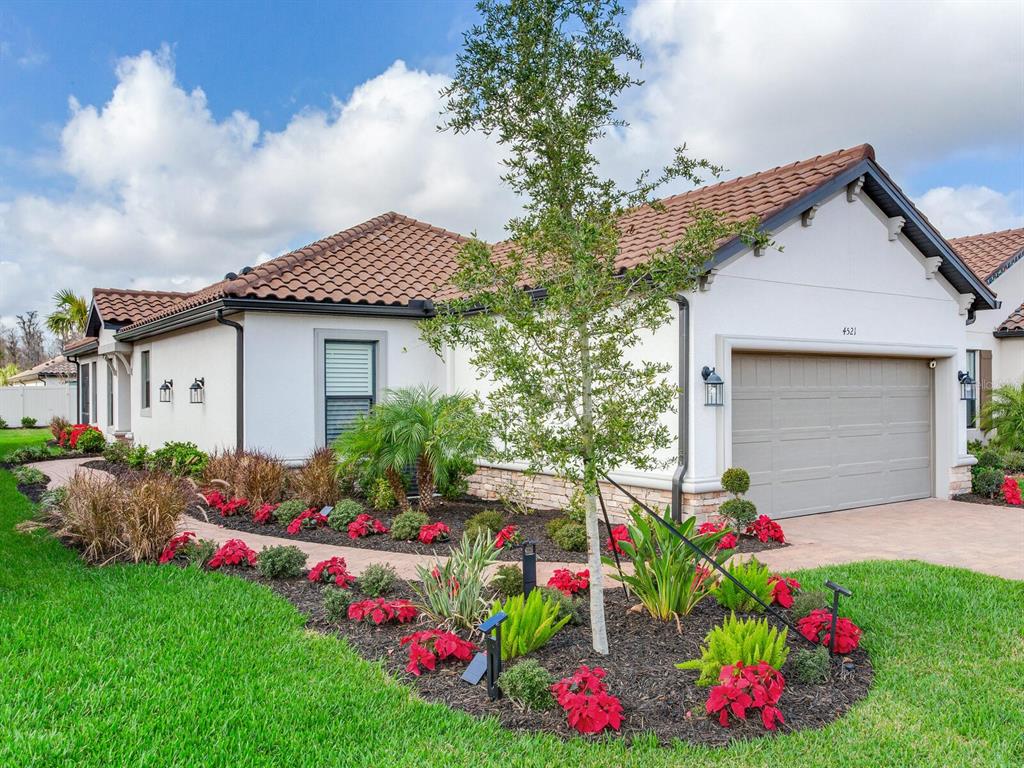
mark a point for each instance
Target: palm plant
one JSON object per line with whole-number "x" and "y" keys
{"x": 6, "y": 372}
{"x": 415, "y": 426}
{"x": 1004, "y": 413}
{"x": 71, "y": 315}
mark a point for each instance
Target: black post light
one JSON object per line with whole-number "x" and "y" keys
{"x": 492, "y": 640}
{"x": 836, "y": 592}
{"x": 714, "y": 388}
{"x": 165, "y": 390}
{"x": 529, "y": 567}
{"x": 967, "y": 385}
{"x": 196, "y": 390}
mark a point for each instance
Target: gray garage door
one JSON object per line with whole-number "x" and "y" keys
{"x": 820, "y": 433}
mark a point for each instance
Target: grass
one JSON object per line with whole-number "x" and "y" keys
{"x": 21, "y": 438}
{"x": 161, "y": 666}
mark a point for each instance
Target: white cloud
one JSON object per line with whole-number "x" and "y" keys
{"x": 970, "y": 210}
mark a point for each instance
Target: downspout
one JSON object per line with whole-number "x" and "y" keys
{"x": 239, "y": 380}
{"x": 683, "y": 407}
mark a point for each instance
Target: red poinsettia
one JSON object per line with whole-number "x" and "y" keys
{"x": 430, "y": 646}
{"x": 742, "y": 687}
{"x": 264, "y": 514}
{"x": 432, "y": 532}
{"x": 233, "y": 552}
{"x": 380, "y": 611}
{"x": 310, "y": 518}
{"x": 817, "y": 627}
{"x": 1011, "y": 491}
{"x": 453, "y": 583}
{"x": 68, "y": 438}
{"x": 176, "y": 543}
{"x": 507, "y": 535}
{"x": 226, "y": 507}
{"x": 782, "y": 590}
{"x": 710, "y": 527}
{"x": 365, "y": 525}
{"x": 332, "y": 570}
{"x": 766, "y": 529}
{"x": 568, "y": 582}
{"x": 586, "y": 701}
{"x": 619, "y": 533}
{"x": 729, "y": 541}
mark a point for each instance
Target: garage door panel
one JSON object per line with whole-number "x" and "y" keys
{"x": 819, "y": 433}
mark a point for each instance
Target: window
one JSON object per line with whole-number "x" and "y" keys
{"x": 94, "y": 408}
{"x": 349, "y": 383}
{"x": 85, "y": 392}
{"x": 110, "y": 395}
{"x": 144, "y": 380}
{"x": 972, "y": 405}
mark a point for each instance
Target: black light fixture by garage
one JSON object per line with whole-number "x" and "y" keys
{"x": 967, "y": 384}
{"x": 195, "y": 392}
{"x": 714, "y": 387}
{"x": 165, "y": 390}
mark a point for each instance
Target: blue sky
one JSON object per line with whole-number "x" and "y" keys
{"x": 159, "y": 144}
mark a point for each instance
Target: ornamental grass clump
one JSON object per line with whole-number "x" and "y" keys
{"x": 452, "y": 594}
{"x": 752, "y": 575}
{"x": 252, "y": 475}
{"x": 282, "y": 562}
{"x": 531, "y": 622}
{"x": 317, "y": 480}
{"x": 750, "y": 641}
{"x": 528, "y": 685}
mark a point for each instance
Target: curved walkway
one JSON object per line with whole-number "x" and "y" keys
{"x": 980, "y": 537}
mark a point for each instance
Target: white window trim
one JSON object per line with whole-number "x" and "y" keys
{"x": 146, "y": 412}
{"x": 322, "y": 335}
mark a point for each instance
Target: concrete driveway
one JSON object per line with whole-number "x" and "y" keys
{"x": 984, "y": 538}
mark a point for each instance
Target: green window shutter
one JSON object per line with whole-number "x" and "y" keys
{"x": 349, "y": 384}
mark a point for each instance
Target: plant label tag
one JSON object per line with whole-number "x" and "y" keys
{"x": 326, "y": 511}
{"x": 475, "y": 671}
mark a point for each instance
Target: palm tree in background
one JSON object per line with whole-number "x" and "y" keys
{"x": 1004, "y": 413}
{"x": 70, "y": 317}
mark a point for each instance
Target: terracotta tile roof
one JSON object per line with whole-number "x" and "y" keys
{"x": 1014, "y": 323}
{"x": 74, "y": 344}
{"x": 121, "y": 305}
{"x": 989, "y": 254}
{"x": 54, "y": 367}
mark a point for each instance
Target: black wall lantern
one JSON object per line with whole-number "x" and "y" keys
{"x": 714, "y": 388}
{"x": 966, "y": 385}
{"x": 165, "y": 390}
{"x": 195, "y": 392}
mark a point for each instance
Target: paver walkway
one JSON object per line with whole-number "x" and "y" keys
{"x": 984, "y": 538}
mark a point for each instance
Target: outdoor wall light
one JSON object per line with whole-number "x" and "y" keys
{"x": 195, "y": 392}
{"x": 165, "y": 390}
{"x": 714, "y": 388}
{"x": 967, "y": 384}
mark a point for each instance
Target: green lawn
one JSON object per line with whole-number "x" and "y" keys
{"x": 19, "y": 438}
{"x": 151, "y": 666}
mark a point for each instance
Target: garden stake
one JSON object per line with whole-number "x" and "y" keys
{"x": 492, "y": 635}
{"x": 615, "y": 552}
{"x": 836, "y": 591}
{"x": 529, "y": 567}
{"x": 711, "y": 561}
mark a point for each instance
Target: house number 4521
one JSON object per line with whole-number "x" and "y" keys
{"x": 850, "y": 330}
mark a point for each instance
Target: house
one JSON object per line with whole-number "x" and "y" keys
{"x": 838, "y": 352}
{"x": 995, "y": 343}
{"x": 55, "y": 371}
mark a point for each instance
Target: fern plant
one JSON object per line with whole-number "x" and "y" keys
{"x": 755, "y": 577}
{"x": 530, "y": 624}
{"x": 453, "y": 594}
{"x": 747, "y": 640}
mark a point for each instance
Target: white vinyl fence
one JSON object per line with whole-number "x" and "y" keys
{"x": 41, "y": 403}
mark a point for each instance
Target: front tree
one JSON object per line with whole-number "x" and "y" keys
{"x": 550, "y": 315}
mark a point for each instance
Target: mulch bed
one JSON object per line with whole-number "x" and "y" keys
{"x": 656, "y": 697}
{"x": 34, "y": 491}
{"x": 974, "y": 498}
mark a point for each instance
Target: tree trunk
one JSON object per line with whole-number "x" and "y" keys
{"x": 425, "y": 481}
{"x": 397, "y": 488}
{"x": 598, "y": 630}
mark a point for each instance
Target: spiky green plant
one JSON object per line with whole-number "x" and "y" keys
{"x": 755, "y": 577}
{"x": 530, "y": 624}
{"x": 747, "y": 640}
{"x": 1004, "y": 413}
{"x": 453, "y": 593}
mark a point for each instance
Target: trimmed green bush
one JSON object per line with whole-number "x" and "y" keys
{"x": 27, "y": 422}
{"x": 986, "y": 481}
{"x": 988, "y": 456}
{"x": 528, "y": 685}
{"x": 508, "y": 581}
{"x": 406, "y": 526}
{"x": 117, "y": 452}
{"x": 336, "y": 603}
{"x": 572, "y": 537}
{"x": 486, "y": 523}
{"x": 736, "y": 481}
{"x": 376, "y": 580}
{"x": 739, "y": 512}
{"x": 288, "y": 510}
{"x": 811, "y": 665}
{"x": 28, "y": 476}
{"x": 380, "y": 495}
{"x": 754, "y": 576}
{"x": 554, "y": 524}
{"x": 344, "y": 512}
{"x": 91, "y": 441}
{"x": 178, "y": 458}
{"x": 746, "y": 640}
{"x": 138, "y": 457}
{"x": 807, "y": 600}
{"x": 284, "y": 562}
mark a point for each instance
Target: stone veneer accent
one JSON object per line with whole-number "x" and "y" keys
{"x": 959, "y": 480}
{"x": 548, "y": 492}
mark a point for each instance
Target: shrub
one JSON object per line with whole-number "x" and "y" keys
{"x": 513, "y": 498}
{"x": 531, "y": 622}
{"x": 3, "y": 423}
{"x": 576, "y": 509}
{"x": 381, "y": 495}
{"x": 586, "y": 701}
{"x": 755, "y": 577}
{"x": 667, "y": 577}
{"x": 376, "y": 580}
{"x": 486, "y": 523}
{"x": 117, "y": 452}
{"x": 739, "y": 512}
{"x": 91, "y": 441}
{"x": 199, "y": 552}
{"x": 345, "y": 512}
{"x": 336, "y": 603}
{"x": 332, "y": 571}
{"x": 406, "y": 526}
{"x": 811, "y": 665}
{"x": 288, "y": 510}
{"x": 528, "y": 686}
{"x": 452, "y": 483}
{"x": 570, "y": 583}
{"x": 567, "y": 606}
{"x": 59, "y": 425}
{"x": 1004, "y": 414}
{"x": 743, "y": 687}
{"x": 508, "y": 581}
{"x": 453, "y": 593}
{"x": 429, "y": 646}
{"x": 988, "y": 456}
{"x": 28, "y": 476}
{"x": 554, "y": 524}
{"x": 817, "y": 627}
{"x": 749, "y": 641}
{"x": 178, "y": 458}
{"x": 233, "y": 552}
{"x": 317, "y": 480}
{"x": 434, "y": 532}
{"x": 736, "y": 481}
{"x": 138, "y": 457}
{"x": 572, "y": 537}
{"x": 807, "y": 601}
{"x": 252, "y": 475}
{"x": 28, "y": 422}
{"x": 364, "y": 525}
{"x": 985, "y": 481}
{"x": 381, "y": 611}
{"x": 281, "y": 562}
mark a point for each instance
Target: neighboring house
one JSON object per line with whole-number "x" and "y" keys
{"x": 995, "y": 343}
{"x": 839, "y": 353}
{"x": 55, "y": 371}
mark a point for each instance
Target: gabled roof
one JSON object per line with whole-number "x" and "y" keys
{"x": 992, "y": 253}
{"x": 123, "y": 305}
{"x": 78, "y": 346}
{"x": 1013, "y": 325}
{"x": 391, "y": 262}
{"x": 55, "y": 367}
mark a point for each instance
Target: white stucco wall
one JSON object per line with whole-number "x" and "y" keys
{"x": 1007, "y": 353}
{"x": 281, "y": 392}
